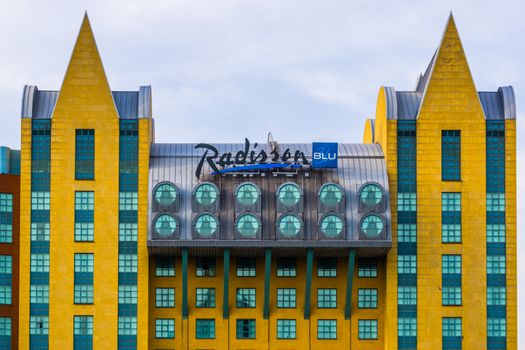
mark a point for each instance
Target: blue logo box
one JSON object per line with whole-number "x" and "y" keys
{"x": 324, "y": 155}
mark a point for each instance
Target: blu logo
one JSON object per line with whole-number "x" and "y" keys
{"x": 324, "y": 155}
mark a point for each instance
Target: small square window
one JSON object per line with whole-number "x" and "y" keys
{"x": 245, "y": 298}
{"x": 366, "y": 268}
{"x": 246, "y": 267}
{"x": 205, "y": 328}
{"x": 286, "y": 329}
{"x": 326, "y": 267}
{"x": 164, "y": 266}
{"x": 367, "y": 329}
{"x": 245, "y": 329}
{"x": 286, "y": 297}
{"x": 367, "y": 298}
{"x": 326, "y": 298}
{"x": 164, "y": 328}
{"x": 164, "y": 297}
{"x": 406, "y": 327}
{"x": 406, "y": 264}
{"x": 205, "y": 267}
{"x": 205, "y": 297}
{"x": 326, "y": 329}
{"x": 451, "y": 296}
{"x": 286, "y": 267}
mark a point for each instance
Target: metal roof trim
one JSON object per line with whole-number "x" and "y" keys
{"x": 508, "y": 99}
{"x": 145, "y": 104}
{"x": 391, "y": 102}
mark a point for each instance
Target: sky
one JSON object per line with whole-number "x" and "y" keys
{"x": 224, "y": 70}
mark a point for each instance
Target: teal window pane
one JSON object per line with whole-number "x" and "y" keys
{"x": 496, "y": 327}
{"x": 286, "y": 329}
{"x": 5, "y": 295}
{"x": 6, "y": 203}
{"x": 289, "y": 195}
{"x": 85, "y": 154}
{"x": 331, "y": 195}
{"x": 128, "y": 232}
{"x": 84, "y": 232}
{"x": 367, "y": 298}
{"x": 84, "y": 200}
{"x": 289, "y": 225}
{"x": 451, "y": 233}
{"x": 164, "y": 297}
{"x": 127, "y": 294}
{"x": 332, "y": 225}
{"x": 326, "y": 298}
{"x": 286, "y": 297}
{"x": 451, "y": 155}
{"x": 367, "y": 329}
{"x": 451, "y": 296}
{"x": 6, "y": 233}
{"x": 451, "y": 264}
{"x": 165, "y": 194}
{"x": 326, "y": 267}
{"x": 245, "y": 297}
{"x": 371, "y": 195}
{"x": 164, "y": 328}
{"x": 39, "y": 262}
{"x": 205, "y": 328}
{"x": 246, "y": 267}
{"x": 406, "y": 264}
{"x": 39, "y": 294}
{"x": 5, "y": 329}
{"x": 245, "y": 329}
{"x": 6, "y": 264}
{"x": 40, "y": 232}
{"x": 206, "y": 225}
{"x": 496, "y": 233}
{"x": 248, "y": 225}
{"x": 128, "y": 201}
{"x": 406, "y": 201}
{"x": 452, "y": 327}
{"x": 165, "y": 225}
{"x": 205, "y": 297}
{"x": 206, "y": 194}
{"x": 6, "y": 218}
{"x": 496, "y": 264}
{"x": 127, "y": 325}
{"x": 39, "y": 325}
{"x": 127, "y": 263}
{"x": 451, "y": 201}
{"x": 366, "y": 268}
{"x": 83, "y": 294}
{"x": 84, "y": 262}
{"x": 372, "y": 225}
{"x": 164, "y": 266}
{"x": 495, "y": 201}
{"x": 247, "y": 194}
{"x": 83, "y": 325}
{"x": 497, "y": 296}
{"x": 286, "y": 267}
{"x": 407, "y": 327}
{"x": 326, "y": 329}
{"x": 205, "y": 267}
{"x": 40, "y": 200}
{"x": 406, "y": 295}
{"x": 406, "y": 233}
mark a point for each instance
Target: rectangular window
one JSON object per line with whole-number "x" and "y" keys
{"x": 127, "y": 263}
{"x": 451, "y": 296}
{"x": 406, "y": 264}
{"x": 496, "y": 264}
{"x": 451, "y": 279}
{"x": 326, "y": 329}
{"x": 39, "y": 262}
{"x": 164, "y": 266}
{"x": 39, "y": 325}
{"x": 5, "y": 332}
{"x": 128, "y": 232}
{"x": 451, "y": 217}
{"x": 127, "y": 325}
{"x": 406, "y": 233}
{"x": 83, "y": 332}
{"x": 245, "y": 329}
{"x": 367, "y": 298}
{"x": 326, "y": 267}
{"x": 205, "y": 297}
{"x": 496, "y": 295}
{"x": 205, "y": 329}
{"x": 6, "y": 218}
{"x": 286, "y": 267}
{"x": 326, "y": 298}
{"x": 84, "y": 216}
{"x": 245, "y": 297}
{"x": 6, "y": 279}
{"x": 39, "y": 294}
{"x": 452, "y": 332}
{"x": 205, "y": 267}
{"x": 164, "y": 297}
{"x": 286, "y": 329}
{"x": 40, "y": 232}
{"x": 164, "y": 328}
{"x": 406, "y": 201}
{"x": 495, "y": 201}
{"x": 450, "y": 155}
{"x": 128, "y": 201}
{"x": 496, "y": 327}
{"x": 85, "y": 154}
{"x": 407, "y": 327}
{"x": 367, "y": 329}
{"x": 286, "y": 297}
{"x": 246, "y": 267}
{"x": 366, "y": 268}
{"x": 84, "y": 265}
{"x": 451, "y": 264}
{"x": 496, "y": 233}
{"x": 127, "y": 294}
{"x": 40, "y": 200}
{"x": 406, "y": 295}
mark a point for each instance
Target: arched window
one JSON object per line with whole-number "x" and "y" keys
{"x": 289, "y": 195}
{"x": 206, "y": 225}
{"x": 206, "y": 194}
{"x": 247, "y": 194}
{"x": 332, "y": 225}
{"x": 372, "y": 226}
{"x": 165, "y": 194}
{"x": 289, "y": 225}
{"x": 331, "y": 195}
{"x": 248, "y": 225}
{"x": 165, "y": 225}
{"x": 371, "y": 195}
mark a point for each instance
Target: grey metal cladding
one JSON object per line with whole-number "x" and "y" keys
{"x": 423, "y": 78}
{"x": 408, "y": 103}
{"x": 38, "y": 103}
{"x": 144, "y": 107}
{"x": 508, "y": 99}
{"x": 498, "y": 105}
{"x": 357, "y": 165}
{"x": 127, "y": 104}
{"x": 391, "y": 102}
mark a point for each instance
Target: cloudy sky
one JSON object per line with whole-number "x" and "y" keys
{"x": 223, "y": 70}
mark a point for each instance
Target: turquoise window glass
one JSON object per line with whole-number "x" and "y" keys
{"x": 245, "y": 329}
{"x": 451, "y": 155}
{"x": 289, "y": 195}
{"x": 326, "y": 329}
{"x": 289, "y": 225}
{"x": 165, "y": 194}
{"x": 164, "y": 297}
{"x": 326, "y": 298}
{"x": 245, "y": 298}
{"x": 286, "y": 329}
{"x": 332, "y": 225}
{"x": 205, "y": 297}
{"x": 247, "y": 194}
{"x": 406, "y": 326}
{"x": 331, "y": 195}
{"x": 205, "y": 329}
{"x": 367, "y": 329}
{"x": 206, "y": 194}
{"x": 85, "y": 154}
{"x": 165, "y": 225}
{"x": 372, "y": 226}
{"x": 367, "y": 298}
{"x": 164, "y": 328}
{"x": 248, "y": 225}
{"x": 371, "y": 195}
{"x": 206, "y": 225}
{"x": 286, "y": 297}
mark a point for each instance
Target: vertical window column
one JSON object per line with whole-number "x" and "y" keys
{"x": 451, "y": 280}
{"x": 84, "y": 216}
{"x": 451, "y": 217}
{"x": 128, "y": 234}
{"x": 83, "y": 332}
{"x": 84, "y": 264}
{"x": 39, "y": 260}
{"x": 85, "y": 154}
{"x": 450, "y": 155}
{"x": 496, "y": 237}
{"x": 5, "y": 332}
{"x": 6, "y": 218}
{"x": 6, "y": 279}
{"x": 406, "y": 235}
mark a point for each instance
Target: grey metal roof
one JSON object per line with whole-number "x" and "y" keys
{"x": 130, "y": 104}
{"x": 498, "y": 105}
{"x": 408, "y": 104}
{"x": 358, "y": 164}
{"x": 391, "y": 102}
{"x": 423, "y": 78}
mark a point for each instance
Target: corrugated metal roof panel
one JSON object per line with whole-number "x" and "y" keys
{"x": 408, "y": 104}
{"x": 492, "y": 106}
{"x": 44, "y": 104}
{"x": 391, "y": 102}
{"x": 127, "y": 103}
